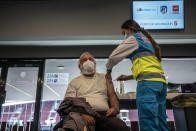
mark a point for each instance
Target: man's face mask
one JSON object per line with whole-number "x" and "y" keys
{"x": 88, "y": 68}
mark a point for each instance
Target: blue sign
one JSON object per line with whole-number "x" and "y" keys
{"x": 163, "y": 9}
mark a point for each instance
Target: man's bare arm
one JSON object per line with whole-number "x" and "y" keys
{"x": 112, "y": 95}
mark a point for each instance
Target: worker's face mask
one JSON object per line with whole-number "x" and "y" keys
{"x": 88, "y": 68}
{"x": 125, "y": 36}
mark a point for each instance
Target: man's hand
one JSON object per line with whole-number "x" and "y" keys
{"x": 124, "y": 77}
{"x": 89, "y": 119}
{"x": 111, "y": 111}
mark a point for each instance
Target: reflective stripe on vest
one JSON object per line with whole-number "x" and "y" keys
{"x": 149, "y": 76}
{"x": 142, "y": 54}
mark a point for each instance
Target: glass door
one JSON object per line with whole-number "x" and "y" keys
{"x": 22, "y": 84}
{"x": 2, "y": 85}
{"x": 1, "y": 90}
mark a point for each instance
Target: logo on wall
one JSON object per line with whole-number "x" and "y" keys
{"x": 163, "y": 9}
{"x": 175, "y": 9}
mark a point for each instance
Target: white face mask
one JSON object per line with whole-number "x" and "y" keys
{"x": 88, "y": 68}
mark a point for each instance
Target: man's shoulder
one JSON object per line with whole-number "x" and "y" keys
{"x": 76, "y": 79}
{"x": 100, "y": 75}
{"x": 80, "y": 77}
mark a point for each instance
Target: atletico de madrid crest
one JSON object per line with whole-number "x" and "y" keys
{"x": 163, "y": 9}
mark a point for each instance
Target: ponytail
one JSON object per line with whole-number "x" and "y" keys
{"x": 134, "y": 26}
{"x": 154, "y": 44}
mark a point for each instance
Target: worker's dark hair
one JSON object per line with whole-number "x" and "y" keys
{"x": 134, "y": 26}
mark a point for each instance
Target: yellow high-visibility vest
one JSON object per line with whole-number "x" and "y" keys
{"x": 146, "y": 66}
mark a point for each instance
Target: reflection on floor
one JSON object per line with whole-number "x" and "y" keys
{"x": 19, "y": 117}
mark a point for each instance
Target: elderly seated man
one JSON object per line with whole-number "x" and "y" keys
{"x": 97, "y": 89}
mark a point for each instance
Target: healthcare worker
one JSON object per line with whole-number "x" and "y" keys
{"x": 145, "y": 55}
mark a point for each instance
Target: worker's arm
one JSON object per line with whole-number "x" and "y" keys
{"x": 121, "y": 52}
{"x": 113, "y": 97}
{"x": 124, "y": 77}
